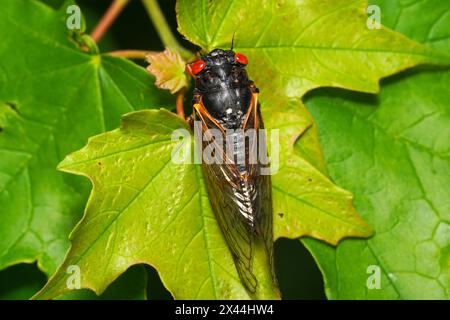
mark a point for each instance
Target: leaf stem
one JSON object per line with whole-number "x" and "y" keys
{"x": 130, "y": 54}
{"x": 108, "y": 18}
{"x": 163, "y": 29}
{"x": 180, "y": 103}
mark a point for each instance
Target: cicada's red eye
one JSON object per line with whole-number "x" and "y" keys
{"x": 196, "y": 67}
{"x": 239, "y": 57}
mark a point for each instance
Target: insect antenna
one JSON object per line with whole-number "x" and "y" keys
{"x": 232, "y": 41}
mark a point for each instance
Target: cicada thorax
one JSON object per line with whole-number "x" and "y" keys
{"x": 226, "y": 105}
{"x": 228, "y": 97}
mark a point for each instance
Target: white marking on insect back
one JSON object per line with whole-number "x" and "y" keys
{"x": 245, "y": 195}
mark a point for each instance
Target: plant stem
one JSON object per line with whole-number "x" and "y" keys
{"x": 180, "y": 103}
{"x": 130, "y": 54}
{"x": 163, "y": 29}
{"x": 108, "y": 18}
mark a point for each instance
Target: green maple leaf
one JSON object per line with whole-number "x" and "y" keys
{"x": 153, "y": 211}
{"x": 393, "y": 152}
{"x": 145, "y": 208}
{"x": 53, "y": 96}
{"x": 296, "y": 46}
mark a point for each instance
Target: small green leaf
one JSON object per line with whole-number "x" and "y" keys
{"x": 168, "y": 68}
{"x": 393, "y": 152}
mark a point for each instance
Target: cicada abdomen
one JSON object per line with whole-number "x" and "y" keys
{"x": 226, "y": 104}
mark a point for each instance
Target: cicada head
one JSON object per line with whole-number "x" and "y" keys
{"x": 219, "y": 69}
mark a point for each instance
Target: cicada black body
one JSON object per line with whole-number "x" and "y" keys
{"x": 226, "y": 100}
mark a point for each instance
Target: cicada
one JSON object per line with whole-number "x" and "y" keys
{"x": 225, "y": 100}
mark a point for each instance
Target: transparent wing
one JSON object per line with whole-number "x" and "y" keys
{"x": 263, "y": 226}
{"x": 223, "y": 188}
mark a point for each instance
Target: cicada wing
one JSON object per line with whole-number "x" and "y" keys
{"x": 264, "y": 219}
{"x": 223, "y": 189}
{"x": 263, "y": 202}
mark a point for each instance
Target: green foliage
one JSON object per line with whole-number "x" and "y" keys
{"x": 296, "y": 46}
{"x": 146, "y": 208}
{"x": 390, "y": 150}
{"x": 53, "y": 97}
{"x": 393, "y": 152}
